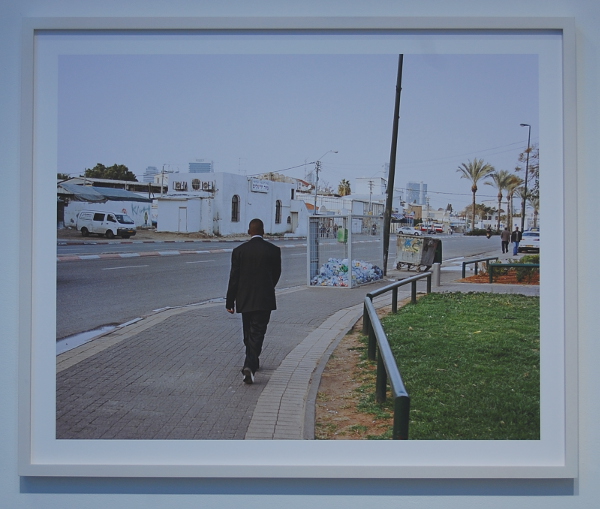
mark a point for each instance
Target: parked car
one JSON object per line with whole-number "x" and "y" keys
{"x": 530, "y": 241}
{"x": 407, "y": 230}
{"x": 101, "y": 223}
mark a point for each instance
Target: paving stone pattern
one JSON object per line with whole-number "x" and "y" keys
{"x": 180, "y": 378}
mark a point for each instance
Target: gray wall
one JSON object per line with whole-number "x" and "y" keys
{"x": 61, "y": 493}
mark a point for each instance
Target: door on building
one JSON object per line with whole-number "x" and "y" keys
{"x": 294, "y": 221}
{"x": 182, "y": 225}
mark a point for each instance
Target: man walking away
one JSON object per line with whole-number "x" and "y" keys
{"x": 255, "y": 270}
{"x": 505, "y": 238}
{"x": 515, "y": 238}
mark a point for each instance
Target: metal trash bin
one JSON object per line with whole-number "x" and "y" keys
{"x": 418, "y": 252}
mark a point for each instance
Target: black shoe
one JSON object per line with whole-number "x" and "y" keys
{"x": 248, "y": 376}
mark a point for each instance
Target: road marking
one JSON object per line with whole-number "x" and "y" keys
{"x": 125, "y": 267}
{"x": 201, "y": 261}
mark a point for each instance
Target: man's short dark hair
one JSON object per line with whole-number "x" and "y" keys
{"x": 256, "y": 227}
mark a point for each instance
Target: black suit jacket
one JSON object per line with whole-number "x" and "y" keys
{"x": 255, "y": 270}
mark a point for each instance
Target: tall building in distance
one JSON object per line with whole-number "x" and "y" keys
{"x": 201, "y": 166}
{"x": 416, "y": 192}
{"x": 149, "y": 174}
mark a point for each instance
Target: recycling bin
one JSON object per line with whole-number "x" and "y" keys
{"x": 418, "y": 252}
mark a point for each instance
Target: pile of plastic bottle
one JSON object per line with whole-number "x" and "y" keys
{"x": 335, "y": 273}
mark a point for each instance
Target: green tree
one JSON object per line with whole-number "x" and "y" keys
{"x": 500, "y": 180}
{"x": 114, "y": 172}
{"x": 63, "y": 176}
{"x": 344, "y": 188}
{"x": 475, "y": 171}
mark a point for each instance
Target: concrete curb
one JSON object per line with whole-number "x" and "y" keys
{"x": 282, "y": 406}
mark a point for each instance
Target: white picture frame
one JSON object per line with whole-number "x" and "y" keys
{"x": 555, "y": 455}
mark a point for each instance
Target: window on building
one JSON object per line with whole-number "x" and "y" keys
{"x": 278, "y": 212}
{"x": 235, "y": 209}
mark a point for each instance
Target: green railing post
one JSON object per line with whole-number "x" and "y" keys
{"x": 372, "y": 345}
{"x": 366, "y": 321}
{"x": 428, "y": 284}
{"x": 413, "y": 292}
{"x": 491, "y": 272}
{"x": 381, "y": 381}
{"x": 401, "y": 418}
{"x": 395, "y": 300}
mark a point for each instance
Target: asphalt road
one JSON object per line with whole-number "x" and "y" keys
{"x": 100, "y": 292}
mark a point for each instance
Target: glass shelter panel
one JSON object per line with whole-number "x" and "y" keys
{"x": 345, "y": 251}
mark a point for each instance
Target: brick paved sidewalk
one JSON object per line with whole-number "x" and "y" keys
{"x": 176, "y": 375}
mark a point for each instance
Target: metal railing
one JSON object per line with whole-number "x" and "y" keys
{"x": 386, "y": 363}
{"x": 476, "y": 262}
{"x": 493, "y": 266}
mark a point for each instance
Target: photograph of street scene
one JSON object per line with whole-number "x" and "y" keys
{"x": 164, "y": 160}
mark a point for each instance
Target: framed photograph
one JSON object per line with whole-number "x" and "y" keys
{"x": 52, "y": 44}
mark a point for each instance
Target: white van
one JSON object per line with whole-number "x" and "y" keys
{"x": 110, "y": 224}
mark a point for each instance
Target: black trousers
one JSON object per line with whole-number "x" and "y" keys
{"x": 254, "y": 325}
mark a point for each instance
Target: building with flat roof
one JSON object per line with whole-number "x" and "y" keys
{"x": 416, "y": 192}
{"x": 201, "y": 166}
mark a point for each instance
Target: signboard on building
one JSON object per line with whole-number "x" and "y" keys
{"x": 259, "y": 186}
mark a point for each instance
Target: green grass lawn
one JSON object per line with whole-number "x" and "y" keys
{"x": 471, "y": 365}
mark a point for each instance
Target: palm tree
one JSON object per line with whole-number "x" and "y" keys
{"x": 514, "y": 183}
{"x": 475, "y": 171}
{"x": 500, "y": 180}
{"x": 344, "y": 188}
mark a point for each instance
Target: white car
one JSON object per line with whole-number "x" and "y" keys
{"x": 530, "y": 241}
{"x": 407, "y": 230}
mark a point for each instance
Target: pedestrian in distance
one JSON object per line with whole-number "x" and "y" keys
{"x": 515, "y": 238}
{"x": 255, "y": 270}
{"x": 505, "y": 238}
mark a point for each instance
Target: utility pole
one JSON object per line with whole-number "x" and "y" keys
{"x": 162, "y": 180}
{"x": 387, "y": 216}
{"x": 317, "y": 168}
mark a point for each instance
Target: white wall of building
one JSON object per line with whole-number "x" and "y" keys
{"x": 184, "y": 214}
{"x": 258, "y": 199}
{"x": 209, "y": 198}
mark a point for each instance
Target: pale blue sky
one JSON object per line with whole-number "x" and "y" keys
{"x": 257, "y": 113}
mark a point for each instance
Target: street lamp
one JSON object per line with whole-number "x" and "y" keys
{"x": 317, "y": 168}
{"x": 526, "y": 174}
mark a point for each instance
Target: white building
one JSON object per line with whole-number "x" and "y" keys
{"x": 149, "y": 174}
{"x": 224, "y": 204}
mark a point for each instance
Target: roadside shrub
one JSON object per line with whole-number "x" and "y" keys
{"x": 478, "y": 232}
{"x": 528, "y": 272}
{"x": 530, "y": 258}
